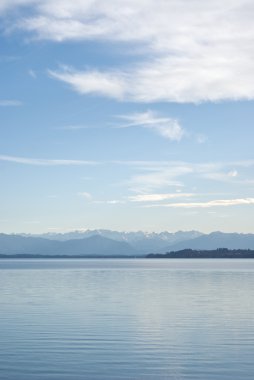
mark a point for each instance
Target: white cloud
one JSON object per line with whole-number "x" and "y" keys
{"x": 209, "y": 204}
{"x": 157, "y": 177}
{"x": 158, "y": 197}
{"x": 109, "y": 202}
{"x": 201, "y": 138}
{"x": 44, "y": 162}
{"x": 114, "y": 202}
{"x": 94, "y": 82}
{"x": 153, "y": 176}
{"x": 85, "y": 195}
{"x": 222, "y": 175}
{"x": 166, "y": 127}
{"x": 233, "y": 173}
{"x": 197, "y": 50}
{"x": 32, "y": 74}
{"x": 10, "y": 103}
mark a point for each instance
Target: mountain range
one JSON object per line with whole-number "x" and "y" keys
{"x": 91, "y": 246}
{"x": 122, "y": 244}
{"x": 216, "y": 240}
{"x": 141, "y": 241}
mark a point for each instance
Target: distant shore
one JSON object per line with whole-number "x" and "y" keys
{"x": 221, "y": 253}
{"x": 28, "y": 256}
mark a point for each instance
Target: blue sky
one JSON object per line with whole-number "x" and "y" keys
{"x": 126, "y": 115}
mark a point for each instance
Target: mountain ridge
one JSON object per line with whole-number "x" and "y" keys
{"x": 139, "y": 240}
{"x": 125, "y": 244}
{"x": 216, "y": 240}
{"x": 92, "y": 246}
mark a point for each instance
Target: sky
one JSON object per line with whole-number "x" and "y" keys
{"x": 126, "y": 115}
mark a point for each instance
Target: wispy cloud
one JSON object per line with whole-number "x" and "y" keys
{"x": 94, "y": 82}
{"x": 158, "y": 197}
{"x": 164, "y": 126}
{"x": 154, "y": 176}
{"x": 201, "y": 138}
{"x": 9, "y": 58}
{"x": 158, "y": 177}
{"x": 208, "y": 204}
{"x": 45, "y": 162}
{"x": 10, "y": 103}
{"x": 85, "y": 195}
{"x": 115, "y": 202}
{"x": 222, "y": 175}
{"x": 109, "y": 202}
{"x": 32, "y": 74}
{"x": 198, "y": 50}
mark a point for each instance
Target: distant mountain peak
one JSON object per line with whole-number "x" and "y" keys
{"x": 107, "y": 242}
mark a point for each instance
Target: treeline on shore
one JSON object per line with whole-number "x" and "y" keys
{"x": 31, "y": 256}
{"x": 220, "y": 253}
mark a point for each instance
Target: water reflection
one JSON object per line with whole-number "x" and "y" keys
{"x": 126, "y": 319}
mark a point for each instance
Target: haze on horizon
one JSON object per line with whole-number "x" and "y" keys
{"x": 126, "y": 116}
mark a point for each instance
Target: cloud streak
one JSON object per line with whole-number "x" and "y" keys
{"x": 196, "y": 51}
{"x": 85, "y": 195}
{"x": 95, "y": 82}
{"x": 10, "y": 103}
{"x": 154, "y": 176}
{"x": 164, "y": 126}
{"x": 209, "y": 204}
{"x": 158, "y": 197}
{"x": 45, "y": 162}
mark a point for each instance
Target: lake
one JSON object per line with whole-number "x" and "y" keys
{"x": 127, "y": 319}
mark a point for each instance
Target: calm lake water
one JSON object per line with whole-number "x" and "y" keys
{"x": 126, "y": 319}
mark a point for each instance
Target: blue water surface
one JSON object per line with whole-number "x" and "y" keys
{"x": 126, "y": 319}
